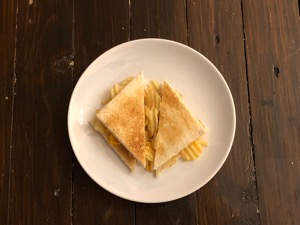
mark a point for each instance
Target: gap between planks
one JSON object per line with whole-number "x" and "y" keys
{"x": 250, "y": 127}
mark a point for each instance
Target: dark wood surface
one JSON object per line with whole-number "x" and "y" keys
{"x": 46, "y": 45}
{"x": 272, "y": 39}
{"x": 7, "y": 71}
{"x": 41, "y": 159}
{"x": 215, "y": 29}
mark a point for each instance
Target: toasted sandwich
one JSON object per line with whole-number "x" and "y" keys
{"x": 124, "y": 118}
{"x": 177, "y": 127}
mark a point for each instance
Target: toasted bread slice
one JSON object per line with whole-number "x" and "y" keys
{"x": 177, "y": 126}
{"x": 124, "y": 117}
{"x": 121, "y": 151}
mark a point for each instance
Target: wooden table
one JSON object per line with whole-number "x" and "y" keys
{"x": 46, "y": 45}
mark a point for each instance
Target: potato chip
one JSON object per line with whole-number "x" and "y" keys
{"x": 149, "y": 166}
{"x": 113, "y": 141}
{"x": 152, "y": 116}
{"x": 194, "y": 150}
{"x": 119, "y": 87}
{"x": 115, "y": 90}
{"x": 125, "y": 82}
{"x": 155, "y": 142}
{"x": 154, "y": 85}
{"x": 152, "y": 99}
{"x": 150, "y": 152}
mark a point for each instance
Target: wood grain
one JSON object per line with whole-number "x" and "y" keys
{"x": 41, "y": 154}
{"x": 99, "y": 26}
{"x": 7, "y": 50}
{"x": 181, "y": 211}
{"x": 159, "y": 19}
{"x": 272, "y": 32}
{"x": 215, "y": 29}
{"x": 162, "y": 19}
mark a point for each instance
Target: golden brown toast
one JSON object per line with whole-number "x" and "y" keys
{"x": 124, "y": 116}
{"x": 177, "y": 126}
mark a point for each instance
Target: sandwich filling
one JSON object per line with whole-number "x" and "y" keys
{"x": 122, "y": 152}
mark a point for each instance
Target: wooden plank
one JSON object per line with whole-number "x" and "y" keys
{"x": 272, "y": 32}
{"x": 41, "y": 154}
{"x": 215, "y": 29}
{"x": 181, "y": 211}
{"x": 7, "y": 49}
{"x": 99, "y": 26}
{"x": 159, "y": 19}
{"x": 162, "y": 19}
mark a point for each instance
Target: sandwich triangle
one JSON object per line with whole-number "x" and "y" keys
{"x": 124, "y": 116}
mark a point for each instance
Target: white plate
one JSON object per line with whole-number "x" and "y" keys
{"x": 205, "y": 92}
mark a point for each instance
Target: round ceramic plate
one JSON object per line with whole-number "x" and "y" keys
{"x": 204, "y": 91}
